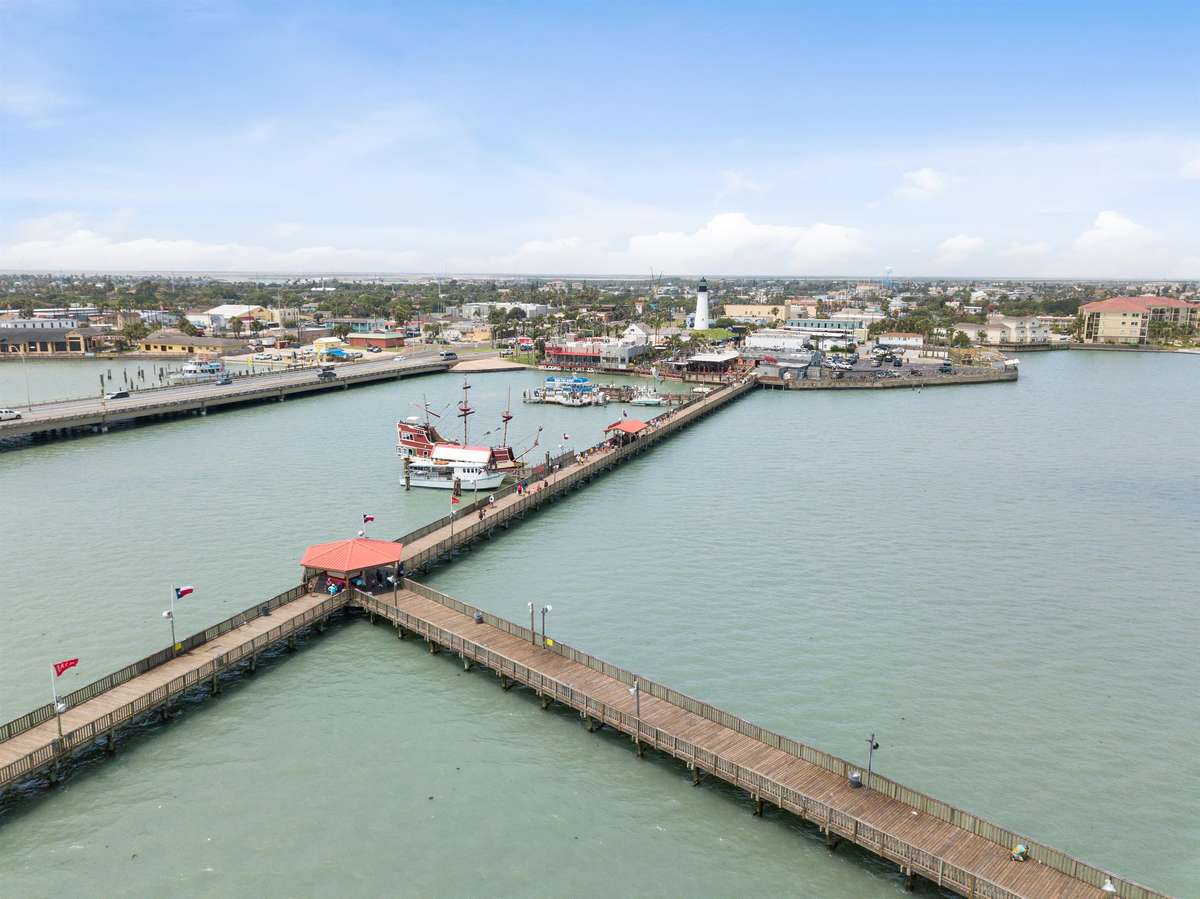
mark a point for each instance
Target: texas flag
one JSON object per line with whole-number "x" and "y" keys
{"x": 181, "y": 592}
{"x": 60, "y": 667}
{"x": 368, "y": 518}
{"x": 453, "y": 500}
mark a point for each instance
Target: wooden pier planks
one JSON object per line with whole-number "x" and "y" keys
{"x": 32, "y": 749}
{"x": 985, "y": 860}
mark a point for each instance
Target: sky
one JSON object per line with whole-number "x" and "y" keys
{"x": 1014, "y": 139}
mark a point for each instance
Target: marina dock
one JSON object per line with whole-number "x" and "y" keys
{"x": 922, "y": 836}
{"x": 83, "y": 416}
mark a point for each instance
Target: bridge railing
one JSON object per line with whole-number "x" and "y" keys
{"x": 85, "y": 734}
{"x": 44, "y": 713}
{"x": 1039, "y": 852}
{"x": 856, "y": 829}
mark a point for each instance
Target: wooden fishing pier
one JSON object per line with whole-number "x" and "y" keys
{"x": 922, "y": 836}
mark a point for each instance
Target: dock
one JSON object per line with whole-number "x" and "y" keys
{"x": 828, "y": 381}
{"x": 924, "y": 837}
{"x": 95, "y": 415}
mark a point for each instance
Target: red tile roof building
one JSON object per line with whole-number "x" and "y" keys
{"x": 1136, "y": 320}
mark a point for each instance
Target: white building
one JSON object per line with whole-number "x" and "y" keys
{"x": 906, "y": 339}
{"x": 1007, "y": 329}
{"x": 779, "y": 340}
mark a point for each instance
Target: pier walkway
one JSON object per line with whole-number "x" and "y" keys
{"x": 921, "y": 835}
{"x": 96, "y": 415}
{"x": 31, "y": 744}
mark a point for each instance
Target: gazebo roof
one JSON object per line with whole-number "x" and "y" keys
{"x": 627, "y": 426}
{"x": 348, "y": 556}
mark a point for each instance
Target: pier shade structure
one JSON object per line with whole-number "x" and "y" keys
{"x": 923, "y": 836}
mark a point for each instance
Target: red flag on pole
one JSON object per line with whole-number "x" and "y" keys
{"x": 60, "y": 667}
{"x": 453, "y": 500}
{"x": 368, "y": 518}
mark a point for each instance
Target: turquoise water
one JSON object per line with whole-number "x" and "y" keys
{"x": 997, "y": 580}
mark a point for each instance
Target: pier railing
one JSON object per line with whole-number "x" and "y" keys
{"x": 1039, "y": 852}
{"x": 833, "y": 820}
{"x": 93, "y": 730}
{"x": 115, "y": 679}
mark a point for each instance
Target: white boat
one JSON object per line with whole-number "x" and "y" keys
{"x": 198, "y": 372}
{"x": 644, "y": 397}
{"x": 567, "y": 392}
{"x": 449, "y": 463}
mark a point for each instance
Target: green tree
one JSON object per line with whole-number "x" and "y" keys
{"x": 135, "y": 331}
{"x": 236, "y": 326}
{"x": 255, "y": 325}
{"x": 341, "y": 329}
{"x": 186, "y": 326}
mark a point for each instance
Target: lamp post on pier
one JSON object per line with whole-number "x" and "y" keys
{"x": 532, "y": 629}
{"x": 871, "y": 747}
{"x": 546, "y": 608}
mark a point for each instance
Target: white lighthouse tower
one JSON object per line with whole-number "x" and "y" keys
{"x": 700, "y": 321}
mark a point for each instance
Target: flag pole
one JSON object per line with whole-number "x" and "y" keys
{"x": 57, "y": 713}
{"x": 172, "y": 619}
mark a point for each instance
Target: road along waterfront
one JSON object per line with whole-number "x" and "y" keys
{"x": 825, "y": 644}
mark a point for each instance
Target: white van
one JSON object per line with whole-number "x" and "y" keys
{"x": 9, "y": 414}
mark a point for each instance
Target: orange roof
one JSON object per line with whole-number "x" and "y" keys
{"x": 347, "y": 556}
{"x": 627, "y": 426}
{"x": 1135, "y": 304}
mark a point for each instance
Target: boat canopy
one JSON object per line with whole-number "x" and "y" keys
{"x": 452, "y": 452}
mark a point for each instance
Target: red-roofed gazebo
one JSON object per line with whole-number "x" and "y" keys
{"x": 342, "y": 560}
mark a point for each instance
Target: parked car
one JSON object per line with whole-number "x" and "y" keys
{"x": 325, "y": 375}
{"x": 9, "y": 414}
{"x": 506, "y": 352}
{"x": 117, "y": 395}
{"x": 898, "y": 363}
{"x": 946, "y": 368}
{"x": 372, "y": 349}
{"x": 224, "y": 381}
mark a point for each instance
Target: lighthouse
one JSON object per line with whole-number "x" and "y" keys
{"x": 700, "y": 321}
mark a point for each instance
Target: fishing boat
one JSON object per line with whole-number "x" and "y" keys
{"x": 198, "y": 372}
{"x": 430, "y": 460}
{"x": 566, "y": 392}
{"x": 644, "y": 396}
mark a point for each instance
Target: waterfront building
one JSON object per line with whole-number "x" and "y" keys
{"x": 842, "y": 329}
{"x": 1007, "y": 329}
{"x": 176, "y": 343}
{"x": 700, "y": 320}
{"x": 227, "y": 312}
{"x": 385, "y": 340}
{"x": 905, "y": 339}
{"x": 1138, "y": 320}
{"x": 52, "y": 341}
{"x": 597, "y": 352}
{"x": 778, "y": 340}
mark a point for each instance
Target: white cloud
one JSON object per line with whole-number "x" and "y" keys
{"x": 1033, "y": 250}
{"x": 731, "y": 244}
{"x": 60, "y": 241}
{"x": 1116, "y": 245}
{"x": 564, "y": 254}
{"x": 30, "y": 102}
{"x": 1191, "y": 169}
{"x": 728, "y": 244}
{"x": 957, "y": 248}
{"x": 734, "y": 183}
{"x": 922, "y": 184}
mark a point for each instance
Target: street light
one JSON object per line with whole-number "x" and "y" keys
{"x": 636, "y": 691}
{"x": 871, "y": 747}
{"x": 546, "y": 608}
{"x": 532, "y": 629}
